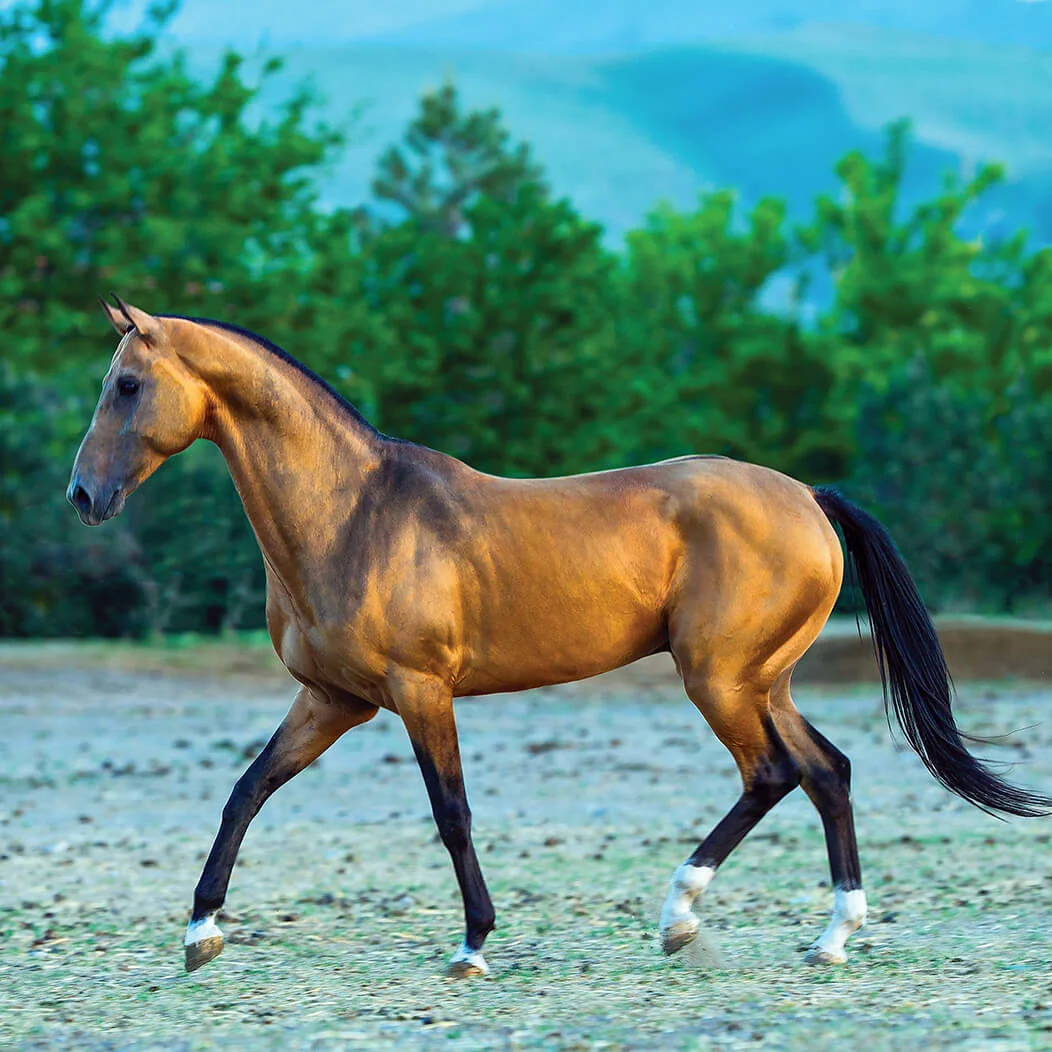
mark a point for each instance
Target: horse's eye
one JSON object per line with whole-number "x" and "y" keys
{"x": 127, "y": 386}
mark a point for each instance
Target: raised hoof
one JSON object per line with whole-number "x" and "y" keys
{"x": 200, "y": 953}
{"x": 678, "y": 935}
{"x": 819, "y": 956}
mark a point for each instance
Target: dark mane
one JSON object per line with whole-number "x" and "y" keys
{"x": 287, "y": 358}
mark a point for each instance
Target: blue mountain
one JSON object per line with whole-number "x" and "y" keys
{"x": 628, "y": 102}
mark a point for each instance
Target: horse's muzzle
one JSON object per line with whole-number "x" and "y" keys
{"x": 93, "y": 507}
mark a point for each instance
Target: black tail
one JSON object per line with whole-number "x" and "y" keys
{"x": 912, "y": 665}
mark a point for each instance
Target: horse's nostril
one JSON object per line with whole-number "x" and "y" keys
{"x": 80, "y": 499}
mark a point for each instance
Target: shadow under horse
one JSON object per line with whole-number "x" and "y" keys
{"x": 400, "y": 578}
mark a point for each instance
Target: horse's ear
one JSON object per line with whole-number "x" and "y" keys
{"x": 116, "y": 319}
{"x": 146, "y": 325}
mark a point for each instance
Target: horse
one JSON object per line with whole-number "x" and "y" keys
{"x": 400, "y": 578}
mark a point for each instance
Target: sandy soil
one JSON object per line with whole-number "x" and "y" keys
{"x": 343, "y": 908}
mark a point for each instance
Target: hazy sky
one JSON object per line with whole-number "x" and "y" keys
{"x": 315, "y": 22}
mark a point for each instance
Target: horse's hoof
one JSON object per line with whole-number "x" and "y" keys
{"x": 203, "y": 942}
{"x": 200, "y": 953}
{"x": 816, "y": 955}
{"x": 678, "y": 935}
{"x": 466, "y": 963}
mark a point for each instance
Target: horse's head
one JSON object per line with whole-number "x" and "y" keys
{"x": 151, "y": 407}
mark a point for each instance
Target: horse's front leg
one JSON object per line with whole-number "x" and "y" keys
{"x": 311, "y": 726}
{"x": 426, "y": 707}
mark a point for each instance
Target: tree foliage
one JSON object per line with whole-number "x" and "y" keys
{"x": 731, "y": 376}
{"x": 497, "y": 340}
{"x": 469, "y": 308}
{"x": 121, "y": 170}
{"x": 962, "y": 479}
{"x": 448, "y": 160}
{"x": 907, "y": 283}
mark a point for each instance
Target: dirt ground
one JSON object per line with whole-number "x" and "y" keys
{"x": 343, "y": 908}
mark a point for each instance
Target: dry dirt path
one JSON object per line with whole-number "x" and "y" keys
{"x": 344, "y": 909}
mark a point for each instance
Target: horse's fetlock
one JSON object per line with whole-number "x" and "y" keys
{"x": 484, "y": 923}
{"x": 206, "y": 901}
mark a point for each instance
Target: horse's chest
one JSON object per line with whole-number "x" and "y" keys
{"x": 297, "y": 651}
{"x": 326, "y": 654}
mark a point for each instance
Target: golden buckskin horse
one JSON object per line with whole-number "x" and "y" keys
{"x": 400, "y": 578}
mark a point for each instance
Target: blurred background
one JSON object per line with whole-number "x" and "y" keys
{"x": 545, "y": 238}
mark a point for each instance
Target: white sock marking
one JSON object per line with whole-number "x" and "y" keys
{"x": 466, "y": 955}
{"x": 199, "y": 930}
{"x": 849, "y": 914}
{"x": 688, "y": 882}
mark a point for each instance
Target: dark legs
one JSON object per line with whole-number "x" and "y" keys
{"x": 776, "y": 749}
{"x": 827, "y": 781}
{"x": 426, "y": 708}
{"x": 311, "y": 726}
{"x": 769, "y": 778}
{"x": 769, "y": 772}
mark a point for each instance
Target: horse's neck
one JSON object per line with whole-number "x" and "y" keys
{"x": 297, "y": 459}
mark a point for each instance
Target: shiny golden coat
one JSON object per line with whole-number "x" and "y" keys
{"x": 399, "y": 578}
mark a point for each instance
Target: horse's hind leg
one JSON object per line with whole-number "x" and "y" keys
{"x": 826, "y": 778}
{"x": 740, "y": 716}
{"x": 753, "y": 595}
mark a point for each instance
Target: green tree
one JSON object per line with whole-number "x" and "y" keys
{"x": 961, "y": 479}
{"x": 448, "y": 159}
{"x": 121, "y": 170}
{"x": 498, "y": 343}
{"x": 721, "y": 373}
{"x": 480, "y": 321}
{"x": 907, "y": 282}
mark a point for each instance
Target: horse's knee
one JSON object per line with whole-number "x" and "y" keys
{"x": 454, "y": 824}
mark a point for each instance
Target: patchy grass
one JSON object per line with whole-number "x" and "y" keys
{"x": 246, "y": 654}
{"x": 343, "y": 908}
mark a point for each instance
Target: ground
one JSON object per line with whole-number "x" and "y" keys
{"x": 343, "y": 908}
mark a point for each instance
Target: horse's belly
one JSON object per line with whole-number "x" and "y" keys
{"x": 569, "y": 600}
{"x": 515, "y": 653}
